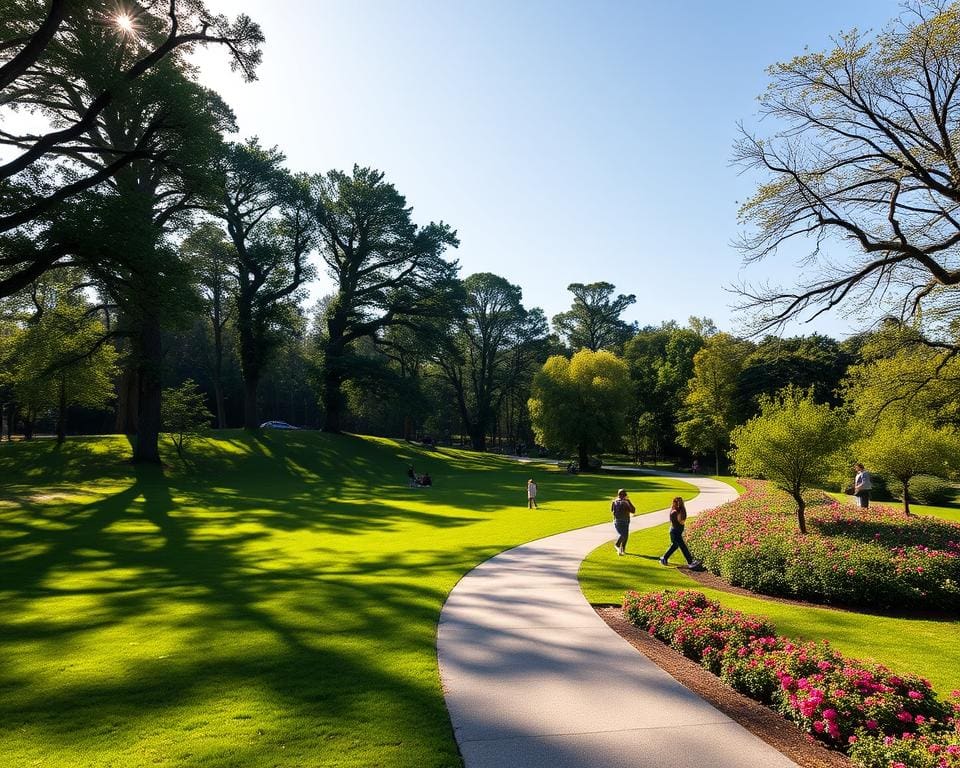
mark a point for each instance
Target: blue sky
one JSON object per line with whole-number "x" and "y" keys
{"x": 566, "y": 142}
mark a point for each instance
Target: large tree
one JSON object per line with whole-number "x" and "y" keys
{"x": 269, "y": 215}
{"x": 42, "y": 46}
{"x": 578, "y": 404}
{"x": 386, "y": 270}
{"x": 862, "y": 170}
{"x": 211, "y": 257}
{"x": 661, "y": 367}
{"x": 709, "y": 412}
{"x": 593, "y": 322}
{"x": 477, "y": 359}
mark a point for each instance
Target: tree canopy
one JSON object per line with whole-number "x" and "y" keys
{"x": 578, "y": 404}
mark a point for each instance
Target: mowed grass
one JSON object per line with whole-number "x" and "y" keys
{"x": 922, "y": 646}
{"x": 949, "y": 512}
{"x": 273, "y": 603}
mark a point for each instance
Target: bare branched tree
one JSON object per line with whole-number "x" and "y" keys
{"x": 865, "y": 157}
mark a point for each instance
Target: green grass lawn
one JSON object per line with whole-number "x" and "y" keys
{"x": 949, "y": 512}
{"x": 925, "y": 647}
{"x": 273, "y": 603}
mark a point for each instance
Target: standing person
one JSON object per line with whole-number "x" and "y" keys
{"x": 678, "y": 518}
{"x": 862, "y": 485}
{"x": 622, "y": 508}
{"x": 412, "y": 477}
{"x": 531, "y": 494}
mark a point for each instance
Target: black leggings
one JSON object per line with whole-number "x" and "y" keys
{"x": 677, "y": 542}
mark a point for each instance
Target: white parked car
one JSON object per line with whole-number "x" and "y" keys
{"x": 277, "y": 425}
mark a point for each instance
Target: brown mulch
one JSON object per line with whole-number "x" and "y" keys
{"x": 761, "y": 721}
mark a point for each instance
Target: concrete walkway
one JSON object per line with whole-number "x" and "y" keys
{"x": 534, "y": 678}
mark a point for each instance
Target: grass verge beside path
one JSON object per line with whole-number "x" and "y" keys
{"x": 274, "y": 603}
{"x": 921, "y": 646}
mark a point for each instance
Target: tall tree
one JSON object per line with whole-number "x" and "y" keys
{"x": 578, "y": 404}
{"x": 211, "y": 256}
{"x": 593, "y": 322}
{"x": 476, "y": 360}
{"x": 386, "y": 270}
{"x": 709, "y": 408}
{"x": 42, "y": 44}
{"x": 661, "y": 367}
{"x": 865, "y": 154}
{"x": 269, "y": 216}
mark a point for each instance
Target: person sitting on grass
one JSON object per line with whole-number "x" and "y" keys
{"x": 678, "y": 518}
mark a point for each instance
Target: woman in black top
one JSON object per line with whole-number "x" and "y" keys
{"x": 678, "y": 518}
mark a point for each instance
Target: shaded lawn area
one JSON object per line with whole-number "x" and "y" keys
{"x": 926, "y": 647}
{"x": 272, "y": 603}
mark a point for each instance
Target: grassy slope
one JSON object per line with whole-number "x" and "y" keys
{"x": 924, "y": 647}
{"x": 273, "y": 604}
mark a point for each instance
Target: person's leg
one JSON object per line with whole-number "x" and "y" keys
{"x": 866, "y": 499}
{"x": 623, "y": 530}
{"x": 626, "y": 535}
{"x": 671, "y": 550}
{"x": 683, "y": 548}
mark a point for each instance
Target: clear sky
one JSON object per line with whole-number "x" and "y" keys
{"x": 565, "y": 141}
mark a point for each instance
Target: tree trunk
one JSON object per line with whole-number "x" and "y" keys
{"x": 128, "y": 401}
{"x": 148, "y": 350}
{"x": 250, "y": 386}
{"x": 906, "y": 497}
{"x": 801, "y": 506}
{"x": 221, "y": 405}
{"x": 478, "y": 438}
{"x": 583, "y": 458}
{"x": 62, "y": 412}
{"x": 28, "y": 418}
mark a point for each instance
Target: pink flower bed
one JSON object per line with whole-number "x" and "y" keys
{"x": 876, "y": 557}
{"x": 851, "y": 705}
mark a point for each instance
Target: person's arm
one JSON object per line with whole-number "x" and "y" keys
{"x": 633, "y": 509}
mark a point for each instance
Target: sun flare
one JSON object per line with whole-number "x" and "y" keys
{"x": 125, "y": 22}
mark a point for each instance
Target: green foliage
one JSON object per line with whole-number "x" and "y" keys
{"x": 185, "y": 414}
{"x": 593, "y": 322}
{"x": 709, "y": 407}
{"x": 61, "y": 358}
{"x": 902, "y": 449}
{"x": 578, "y": 404}
{"x": 661, "y": 367}
{"x": 790, "y": 443}
{"x": 386, "y": 270}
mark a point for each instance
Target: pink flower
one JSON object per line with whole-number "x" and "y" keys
{"x": 914, "y": 694}
{"x": 830, "y": 714}
{"x": 871, "y": 725}
{"x": 904, "y": 716}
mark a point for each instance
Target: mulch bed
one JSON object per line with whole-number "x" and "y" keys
{"x": 761, "y": 721}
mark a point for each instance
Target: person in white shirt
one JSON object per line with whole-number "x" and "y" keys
{"x": 862, "y": 485}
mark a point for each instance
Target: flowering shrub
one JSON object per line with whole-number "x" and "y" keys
{"x": 933, "y": 745}
{"x": 873, "y": 557}
{"x": 838, "y": 700}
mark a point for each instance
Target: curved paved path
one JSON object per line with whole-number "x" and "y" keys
{"x": 533, "y": 677}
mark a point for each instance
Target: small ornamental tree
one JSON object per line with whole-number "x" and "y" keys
{"x": 903, "y": 449}
{"x": 185, "y": 414}
{"x": 789, "y": 443}
{"x": 579, "y": 404}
